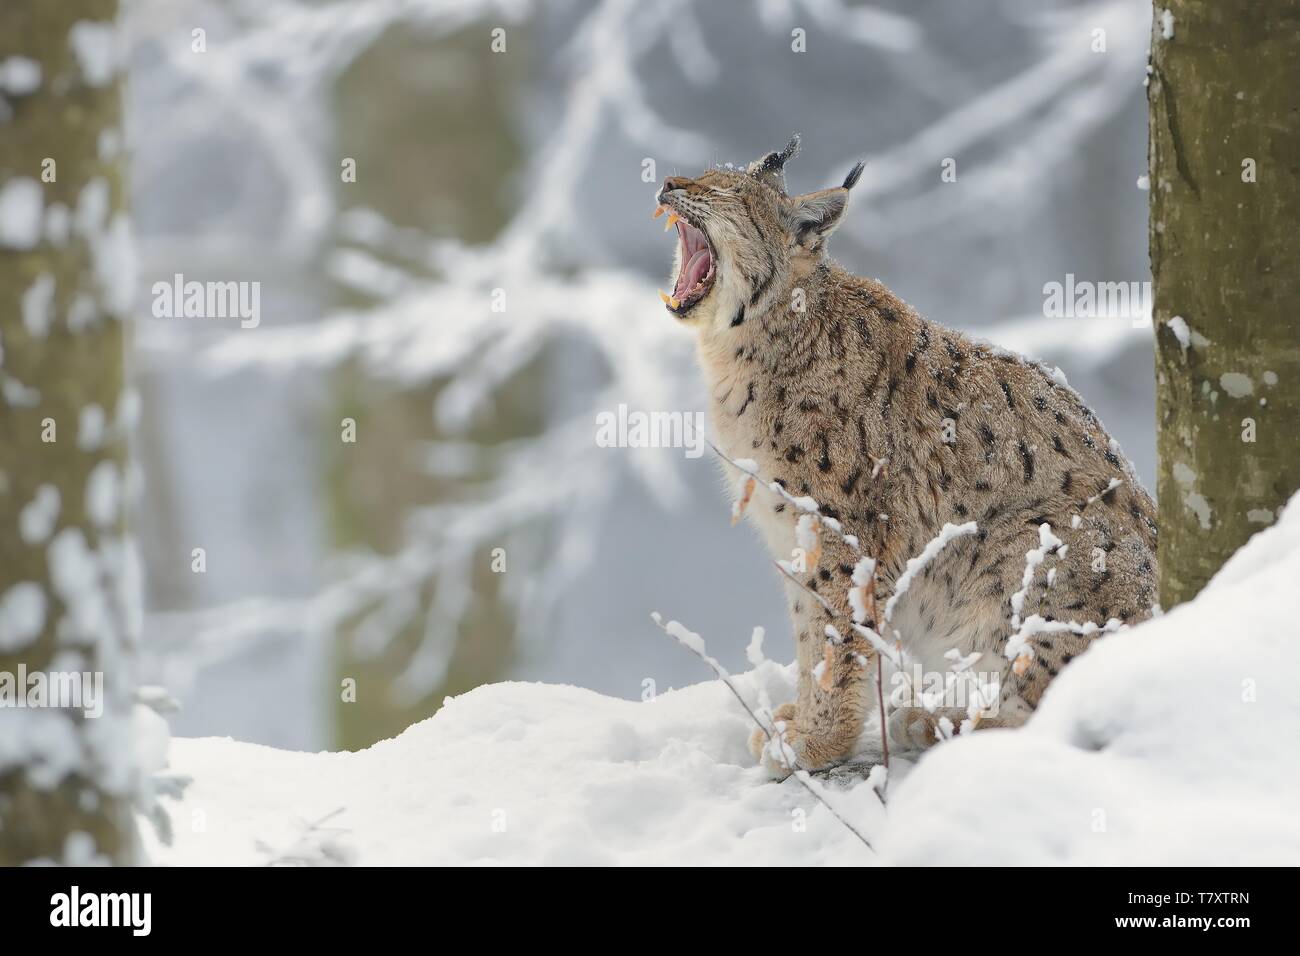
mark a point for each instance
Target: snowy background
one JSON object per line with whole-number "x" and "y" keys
{"x": 521, "y": 171}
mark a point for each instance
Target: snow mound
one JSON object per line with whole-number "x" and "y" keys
{"x": 1171, "y": 743}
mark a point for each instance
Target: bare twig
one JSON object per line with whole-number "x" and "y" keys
{"x": 695, "y": 644}
{"x": 317, "y": 845}
{"x": 807, "y": 590}
{"x": 870, "y": 602}
{"x": 803, "y": 503}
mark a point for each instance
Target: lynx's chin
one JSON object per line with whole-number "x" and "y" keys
{"x": 695, "y": 265}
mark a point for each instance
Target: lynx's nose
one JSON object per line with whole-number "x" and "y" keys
{"x": 671, "y": 183}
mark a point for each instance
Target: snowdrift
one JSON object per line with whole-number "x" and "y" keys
{"x": 1174, "y": 742}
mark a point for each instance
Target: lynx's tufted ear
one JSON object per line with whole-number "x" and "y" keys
{"x": 812, "y": 217}
{"x": 771, "y": 168}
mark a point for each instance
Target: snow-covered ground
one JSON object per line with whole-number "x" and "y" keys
{"x": 1171, "y": 743}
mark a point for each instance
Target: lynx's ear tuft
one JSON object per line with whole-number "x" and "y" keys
{"x": 778, "y": 160}
{"x": 854, "y": 175}
{"x": 771, "y": 167}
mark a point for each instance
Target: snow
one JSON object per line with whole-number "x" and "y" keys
{"x": 575, "y": 778}
{"x": 805, "y": 533}
{"x": 1178, "y": 325}
{"x": 103, "y": 493}
{"x": 917, "y": 564}
{"x": 1110, "y": 486}
{"x": 802, "y": 502}
{"x": 1128, "y": 760}
{"x": 686, "y": 637}
{"x": 1186, "y": 335}
{"x": 19, "y": 76}
{"x": 128, "y": 410}
{"x": 94, "y": 45}
{"x": 1166, "y": 24}
{"x": 150, "y": 737}
{"x": 21, "y": 204}
{"x": 83, "y": 312}
{"x": 37, "y": 519}
{"x": 91, "y": 423}
{"x": 58, "y": 224}
{"x": 864, "y": 571}
{"x": 1047, "y": 542}
{"x": 18, "y": 394}
{"x": 858, "y": 604}
{"x": 92, "y": 207}
{"x": 37, "y": 305}
{"x": 44, "y": 741}
{"x": 115, "y": 265}
{"x": 75, "y": 577}
{"x": 22, "y": 615}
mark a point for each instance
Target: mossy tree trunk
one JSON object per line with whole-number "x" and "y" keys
{"x": 1225, "y": 257}
{"x": 445, "y": 180}
{"x": 66, "y": 605}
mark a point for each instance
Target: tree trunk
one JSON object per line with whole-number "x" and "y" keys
{"x": 67, "y": 606}
{"x": 1225, "y": 257}
{"x": 372, "y": 485}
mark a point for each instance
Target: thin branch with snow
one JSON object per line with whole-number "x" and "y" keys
{"x": 694, "y": 643}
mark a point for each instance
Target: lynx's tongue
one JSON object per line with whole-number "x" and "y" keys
{"x": 694, "y": 270}
{"x": 696, "y": 261}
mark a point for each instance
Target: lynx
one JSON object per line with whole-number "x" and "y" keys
{"x": 839, "y": 391}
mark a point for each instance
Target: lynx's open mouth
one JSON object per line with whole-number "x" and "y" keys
{"x": 695, "y": 271}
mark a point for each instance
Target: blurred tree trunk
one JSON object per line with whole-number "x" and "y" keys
{"x": 64, "y": 286}
{"x": 1225, "y": 257}
{"x": 446, "y": 181}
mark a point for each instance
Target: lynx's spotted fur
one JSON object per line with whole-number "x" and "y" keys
{"x": 818, "y": 376}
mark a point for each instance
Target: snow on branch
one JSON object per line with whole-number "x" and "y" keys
{"x": 1018, "y": 649}
{"x": 948, "y": 533}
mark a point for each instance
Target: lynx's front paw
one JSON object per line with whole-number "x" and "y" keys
{"x": 774, "y": 753}
{"x": 913, "y": 728}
